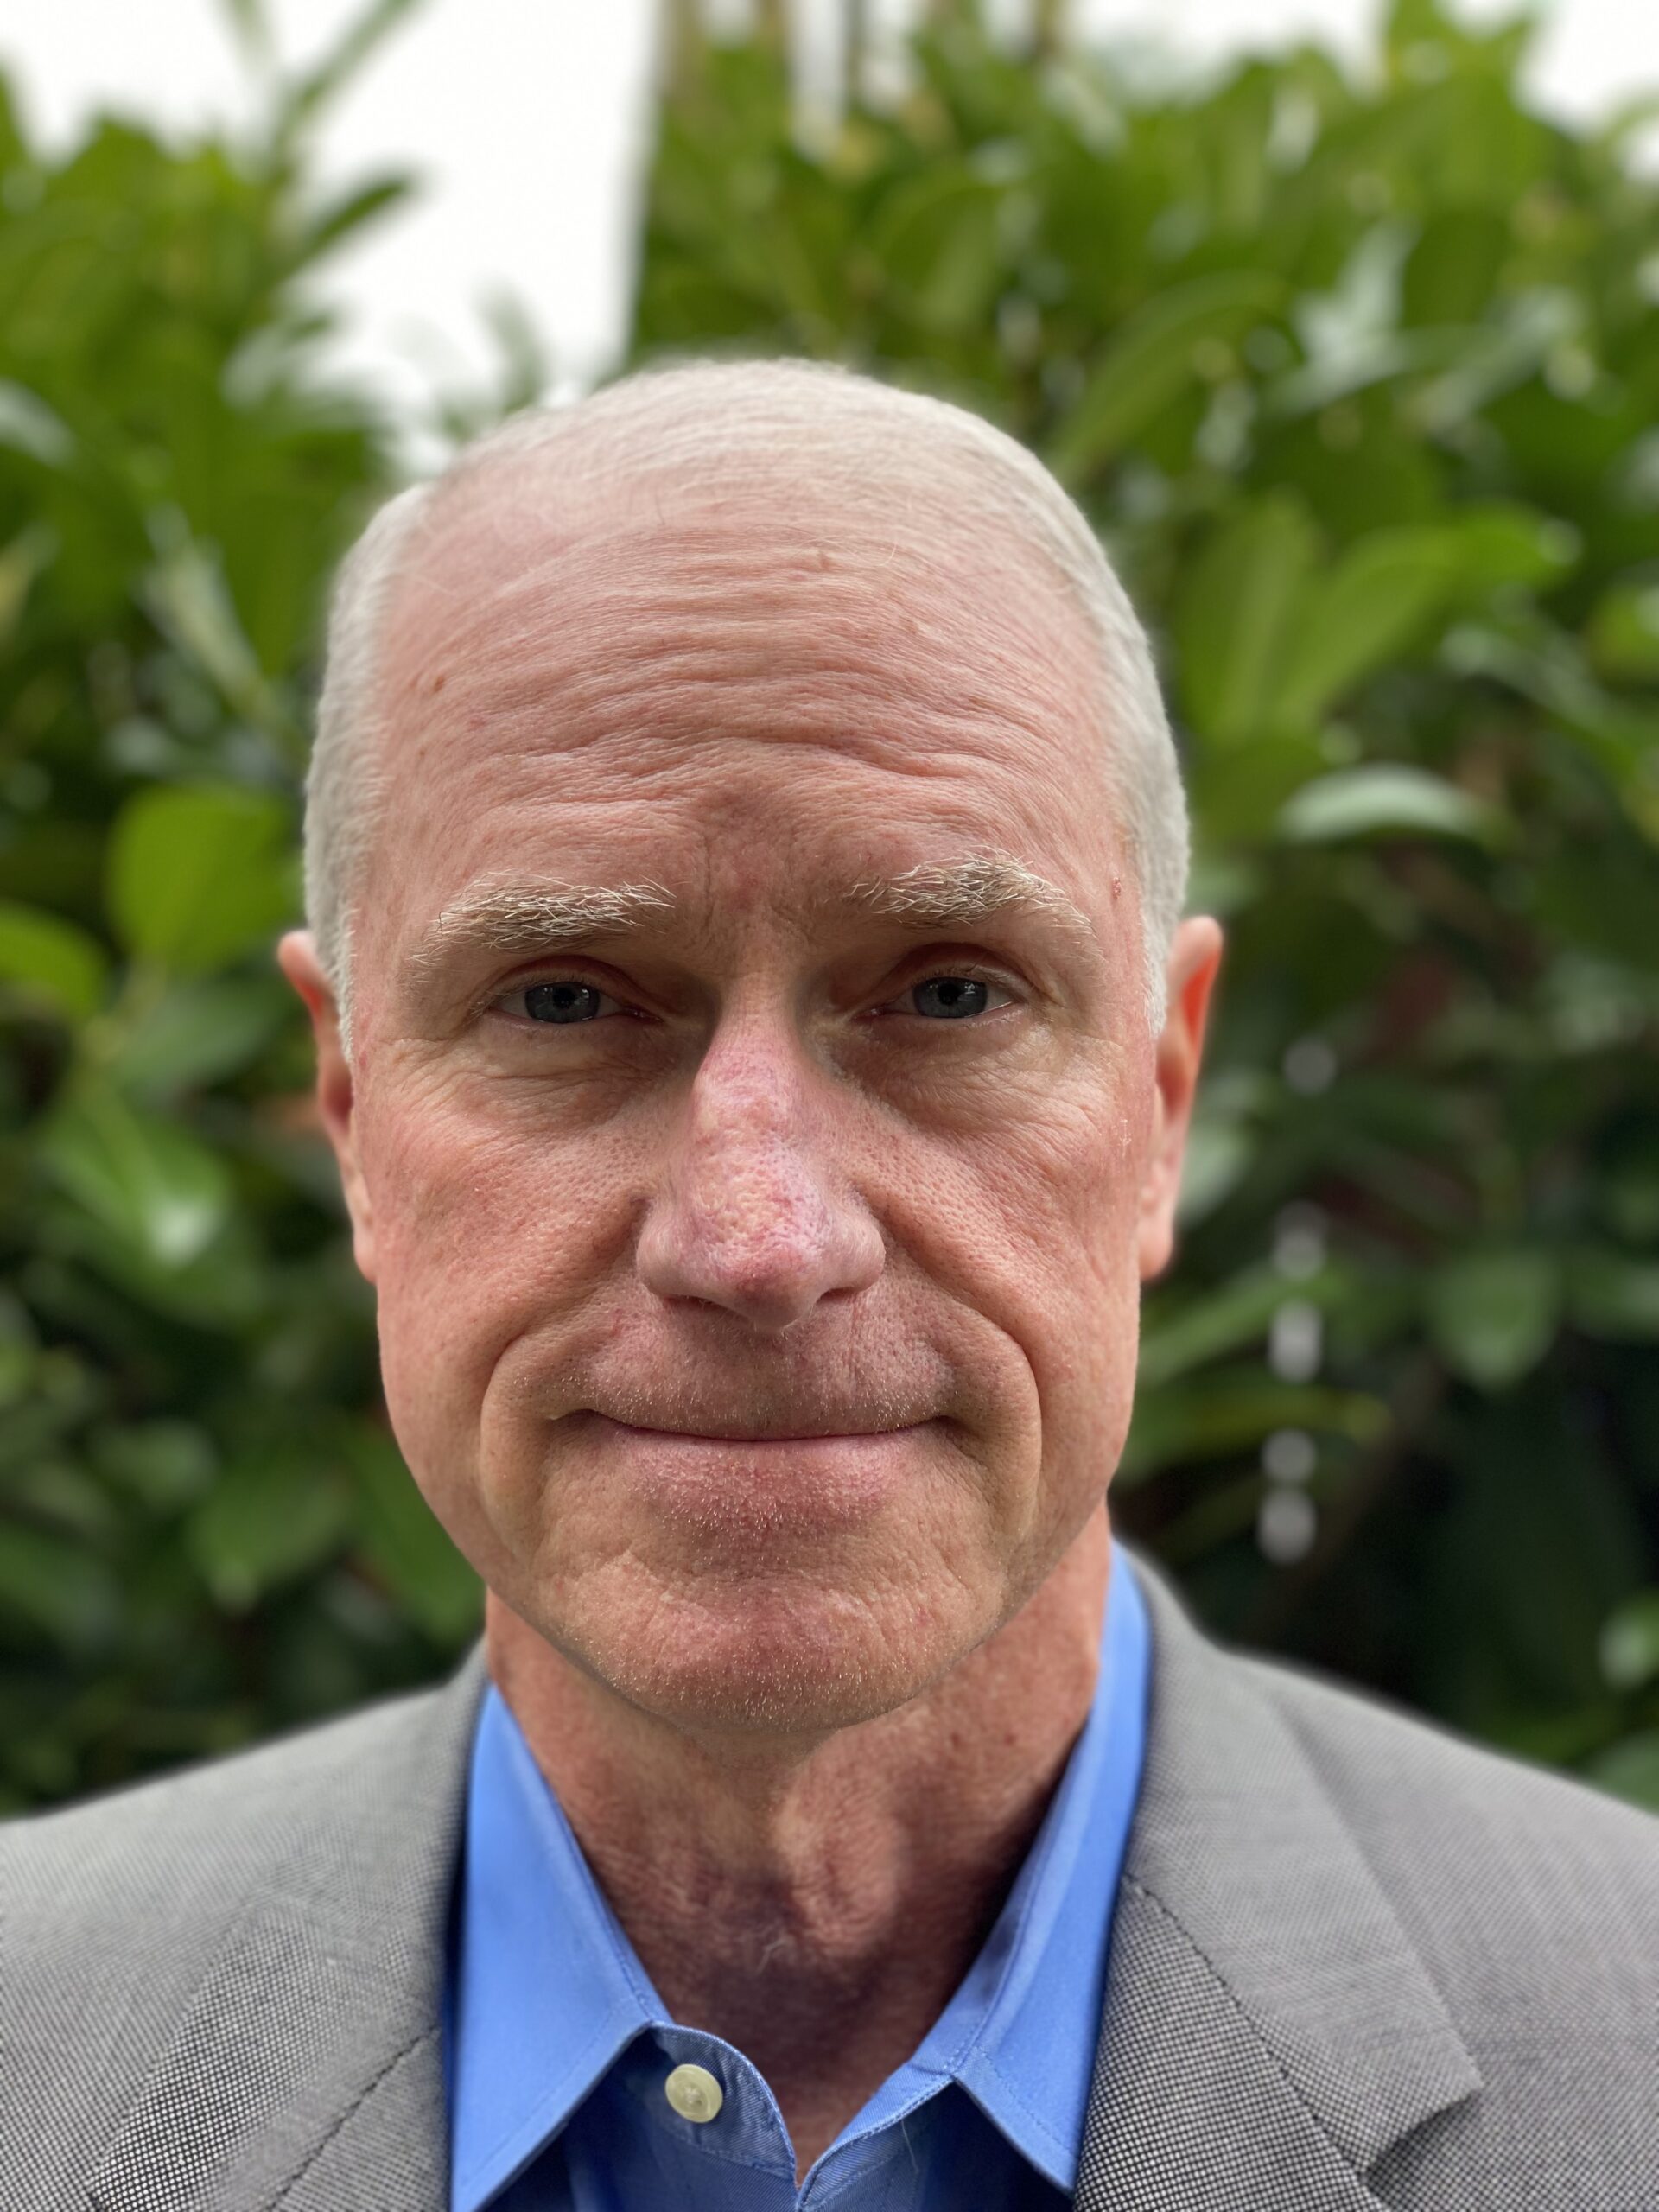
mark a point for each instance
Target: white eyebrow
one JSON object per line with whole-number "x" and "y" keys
{"x": 950, "y": 894}
{"x": 514, "y": 920}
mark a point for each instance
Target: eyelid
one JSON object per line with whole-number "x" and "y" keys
{"x": 978, "y": 971}
{"x": 925, "y": 971}
{"x": 982, "y": 971}
{"x": 497, "y": 993}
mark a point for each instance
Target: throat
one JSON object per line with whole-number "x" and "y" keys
{"x": 825, "y": 1999}
{"x": 818, "y": 1907}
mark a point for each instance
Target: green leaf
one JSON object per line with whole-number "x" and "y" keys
{"x": 165, "y": 1465}
{"x": 200, "y": 1032}
{"x": 1392, "y": 589}
{"x": 143, "y": 1180}
{"x": 1195, "y": 1329}
{"x": 251, "y": 26}
{"x": 1492, "y": 1314}
{"x": 1627, "y": 119}
{"x": 406, "y": 1544}
{"x": 1237, "y": 615}
{"x": 1236, "y": 791}
{"x": 59, "y": 1587}
{"x": 1502, "y": 543}
{"x": 936, "y": 242}
{"x": 1624, "y": 631}
{"x": 1604, "y": 898}
{"x": 267, "y": 1520}
{"x": 1631, "y": 1769}
{"x": 52, "y": 964}
{"x": 1385, "y": 798}
{"x": 1219, "y": 1151}
{"x": 224, "y": 1289}
{"x": 1612, "y": 1296}
{"x": 1376, "y": 600}
{"x": 1222, "y": 1415}
{"x": 313, "y": 92}
{"x": 1151, "y": 361}
{"x": 186, "y": 595}
{"x": 20, "y": 562}
{"x": 29, "y": 426}
{"x": 1453, "y": 266}
{"x": 1222, "y": 1137}
{"x": 342, "y": 218}
{"x": 1630, "y": 1642}
{"x": 199, "y": 873}
{"x": 1628, "y": 1196}
{"x": 1521, "y": 333}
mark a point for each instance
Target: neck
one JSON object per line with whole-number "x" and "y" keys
{"x": 817, "y": 1904}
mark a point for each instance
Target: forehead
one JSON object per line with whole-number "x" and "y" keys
{"x": 589, "y": 673}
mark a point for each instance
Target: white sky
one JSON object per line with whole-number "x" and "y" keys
{"x": 526, "y": 119}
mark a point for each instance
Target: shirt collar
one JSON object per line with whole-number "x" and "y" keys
{"x": 546, "y": 1990}
{"x": 1019, "y": 2033}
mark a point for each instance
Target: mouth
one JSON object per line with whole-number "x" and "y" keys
{"x": 752, "y": 1489}
{"x": 814, "y": 1433}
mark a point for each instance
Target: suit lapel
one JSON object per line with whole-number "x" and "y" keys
{"x": 309, "y": 2059}
{"x": 1267, "y": 2031}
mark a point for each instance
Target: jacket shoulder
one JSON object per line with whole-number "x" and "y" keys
{"x": 122, "y": 1897}
{"x": 137, "y": 1922}
{"x": 204, "y": 1829}
{"x": 1533, "y": 1901}
{"x": 1437, "y": 1813}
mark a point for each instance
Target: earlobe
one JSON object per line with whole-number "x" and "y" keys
{"x": 1194, "y": 960}
{"x": 1154, "y": 1229}
{"x": 296, "y": 956}
{"x": 363, "y": 1240}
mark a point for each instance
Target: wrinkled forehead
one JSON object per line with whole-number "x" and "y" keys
{"x": 564, "y": 546}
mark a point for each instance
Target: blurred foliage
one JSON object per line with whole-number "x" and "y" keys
{"x": 205, "y": 1527}
{"x": 1358, "y": 380}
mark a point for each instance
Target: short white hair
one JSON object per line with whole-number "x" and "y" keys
{"x": 870, "y": 443}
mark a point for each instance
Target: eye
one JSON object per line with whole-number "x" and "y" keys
{"x": 562, "y": 999}
{"x": 954, "y": 998}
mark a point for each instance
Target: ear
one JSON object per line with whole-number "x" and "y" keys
{"x": 296, "y": 955}
{"x": 1194, "y": 960}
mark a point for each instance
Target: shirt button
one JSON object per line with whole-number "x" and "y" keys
{"x": 694, "y": 2092}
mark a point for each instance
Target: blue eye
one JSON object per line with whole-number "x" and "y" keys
{"x": 563, "y": 1001}
{"x": 949, "y": 998}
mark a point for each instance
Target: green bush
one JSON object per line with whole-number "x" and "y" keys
{"x": 1359, "y": 381}
{"x": 205, "y": 1527}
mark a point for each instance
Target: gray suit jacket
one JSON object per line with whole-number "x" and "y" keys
{"x": 1356, "y": 1963}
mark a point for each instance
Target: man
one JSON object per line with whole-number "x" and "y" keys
{"x": 755, "y": 1022}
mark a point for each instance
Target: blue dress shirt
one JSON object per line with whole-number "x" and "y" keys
{"x": 557, "y": 2048}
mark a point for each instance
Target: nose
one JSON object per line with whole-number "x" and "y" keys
{"x": 752, "y": 1217}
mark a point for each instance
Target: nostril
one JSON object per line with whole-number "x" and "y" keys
{"x": 770, "y": 1263}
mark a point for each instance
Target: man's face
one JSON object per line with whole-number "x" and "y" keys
{"x": 759, "y": 1266}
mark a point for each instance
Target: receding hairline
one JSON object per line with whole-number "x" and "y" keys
{"x": 579, "y": 494}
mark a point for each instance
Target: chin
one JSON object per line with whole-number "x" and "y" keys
{"x": 769, "y": 1590}
{"x": 778, "y": 1658}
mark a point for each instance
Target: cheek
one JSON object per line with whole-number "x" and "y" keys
{"x": 1061, "y": 1168}
{"x": 1065, "y": 1196}
{"x": 484, "y": 1227}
